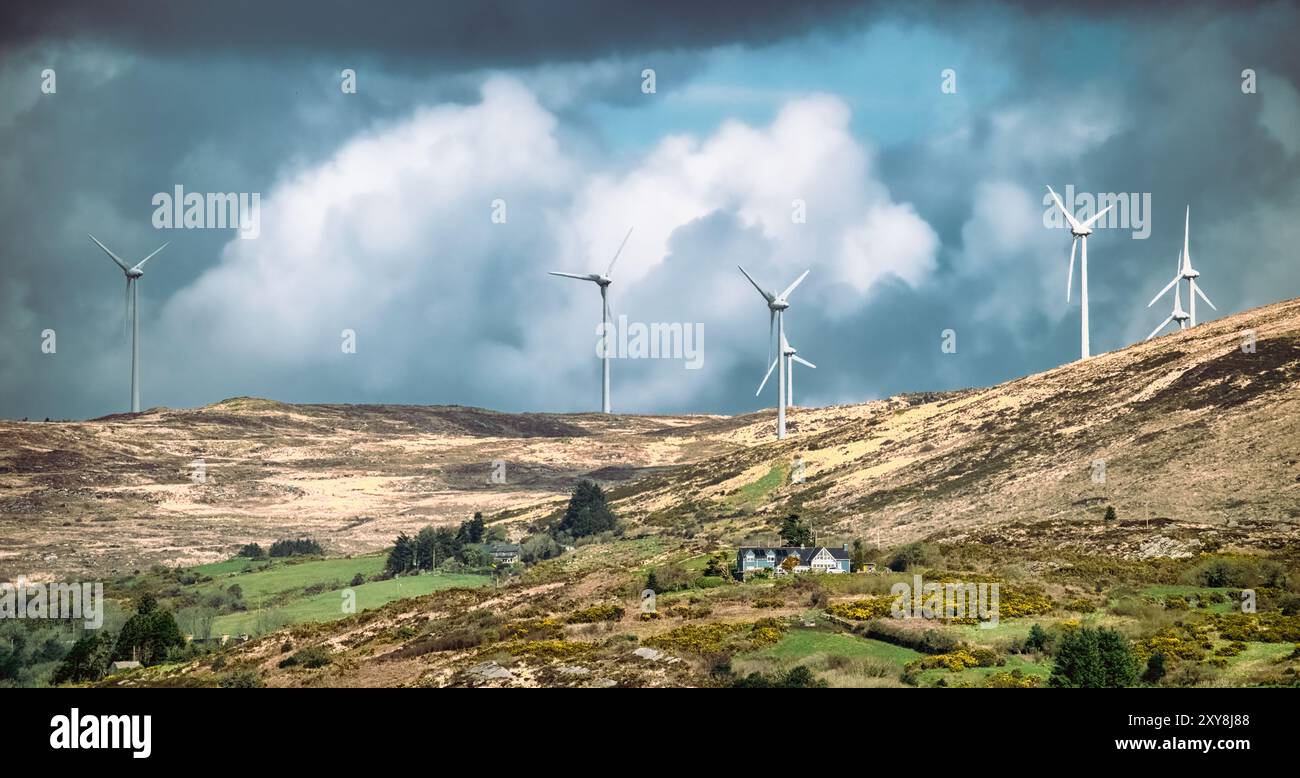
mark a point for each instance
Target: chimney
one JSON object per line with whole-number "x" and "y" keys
{"x": 846, "y": 546}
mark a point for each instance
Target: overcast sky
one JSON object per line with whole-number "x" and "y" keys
{"x": 924, "y": 206}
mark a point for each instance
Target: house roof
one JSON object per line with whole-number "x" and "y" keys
{"x": 805, "y": 553}
{"x": 503, "y": 548}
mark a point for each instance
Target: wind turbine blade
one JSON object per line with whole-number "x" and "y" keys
{"x": 791, "y": 287}
{"x": 140, "y": 264}
{"x": 1163, "y": 324}
{"x": 1187, "y": 222}
{"x": 110, "y": 254}
{"x": 587, "y": 277}
{"x": 1069, "y": 277}
{"x": 1164, "y": 291}
{"x": 766, "y": 295}
{"x": 1203, "y": 297}
{"x": 769, "y": 375}
{"x": 1098, "y": 215}
{"x": 620, "y": 251}
{"x": 1068, "y": 216}
{"x": 803, "y": 361}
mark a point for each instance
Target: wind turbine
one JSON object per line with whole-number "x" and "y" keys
{"x": 776, "y": 307}
{"x": 791, "y": 356}
{"x": 1080, "y": 233}
{"x": 133, "y": 274}
{"x": 603, "y": 281}
{"x": 1179, "y": 315}
{"x": 1185, "y": 270}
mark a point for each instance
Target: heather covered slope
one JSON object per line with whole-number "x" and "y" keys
{"x": 1196, "y": 440}
{"x": 1200, "y": 443}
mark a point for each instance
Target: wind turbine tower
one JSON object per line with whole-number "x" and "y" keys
{"x": 133, "y": 274}
{"x": 603, "y": 281}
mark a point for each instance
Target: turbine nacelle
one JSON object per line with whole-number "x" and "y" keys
{"x": 134, "y": 272}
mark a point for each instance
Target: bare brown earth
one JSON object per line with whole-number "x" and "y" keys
{"x": 1201, "y": 443}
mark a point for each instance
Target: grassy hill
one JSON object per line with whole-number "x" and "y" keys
{"x": 1197, "y": 438}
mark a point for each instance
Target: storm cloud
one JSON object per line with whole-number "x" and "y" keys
{"x": 922, "y": 210}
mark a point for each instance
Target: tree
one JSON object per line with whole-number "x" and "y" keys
{"x": 1093, "y": 659}
{"x": 1037, "y": 640}
{"x": 477, "y": 528}
{"x": 794, "y": 532}
{"x": 401, "y": 557}
{"x": 148, "y": 634}
{"x": 252, "y": 551}
{"x": 718, "y": 565}
{"x": 299, "y": 547}
{"x": 790, "y": 563}
{"x": 1110, "y": 513}
{"x": 1155, "y": 668}
{"x": 911, "y": 555}
{"x": 652, "y": 582}
{"x": 197, "y": 620}
{"x": 87, "y": 660}
{"x": 425, "y": 549}
{"x": 538, "y": 547}
{"x": 587, "y": 513}
{"x": 858, "y": 559}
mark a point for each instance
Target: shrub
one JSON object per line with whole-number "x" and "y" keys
{"x": 1037, "y": 640}
{"x": 241, "y": 679}
{"x": 357, "y": 580}
{"x": 310, "y": 657}
{"x": 799, "y": 677}
{"x": 596, "y": 613}
{"x": 1012, "y": 680}
{"x": 252, "y": 551}
{"x": 1155, "y": 668}
{"x": 909, "y": 556}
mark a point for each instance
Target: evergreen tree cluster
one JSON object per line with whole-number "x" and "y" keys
{"x": 432, "y": 546}
{"x": 587, "y": 513}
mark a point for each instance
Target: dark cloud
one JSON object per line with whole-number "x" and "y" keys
{"x": 491, "y": 33}
{"x": 242, "y": 96}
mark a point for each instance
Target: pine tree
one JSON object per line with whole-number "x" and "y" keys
{"x": 401, "y": 557}
{"x": 1093, "y": 659}
{"x": 477, "y": 528}
{"x": 794, "y": 532}
{"x": 587, "y": 513}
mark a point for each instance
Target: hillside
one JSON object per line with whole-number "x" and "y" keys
{"x": 1201, "y": 443}
{"x": 1199, "y": 439}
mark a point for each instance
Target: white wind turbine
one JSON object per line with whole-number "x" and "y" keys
{"x": 776, "y": 307}
{"x": 1179, "y": 315}
{"x": 1185, "y": 270}
{"x": 133, "y": 274}
{"x": 1080, "y": 231}
{"x": 603, "y": 281}
{"x": 790, "y": 355}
